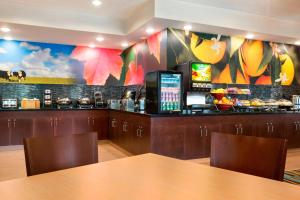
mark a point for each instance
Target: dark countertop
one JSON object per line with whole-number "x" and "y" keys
{"x": 207, "y": 113}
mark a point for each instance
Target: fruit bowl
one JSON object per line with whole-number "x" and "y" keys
{"x": 223, "y": 107}
{"x": 218, "y": 96}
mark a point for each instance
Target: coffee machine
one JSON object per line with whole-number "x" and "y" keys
{"x": 197, "y": 85}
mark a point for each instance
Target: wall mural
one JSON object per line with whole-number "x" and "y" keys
{"x": 42, "y": 63}
{"x": 236, "y": 60}
{"x": 143, "y": 57}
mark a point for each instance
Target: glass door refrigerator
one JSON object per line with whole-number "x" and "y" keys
{"x": 164, "y": 92}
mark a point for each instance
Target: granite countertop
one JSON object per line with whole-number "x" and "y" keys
{"x": 206, "y": 113}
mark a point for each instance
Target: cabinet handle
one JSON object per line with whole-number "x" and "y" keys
{"x": 113, "y": 123}
{"x": 125, "y": 127}
{"x": 15, "y": 123}
{"x": 241, "y": 128}
{"x": 268, "y": 127}
{"x": 237, "y": 129}
{"x": 51, "y": 122}
{"x": 56, "y": 121}
{"x": 137, "y": 132}
{"x": 272, "y": 127}
{"x": 141, "y": 131}
{"x": 93, "y": 121}
{"x": 201, "y": 131}
{"x": 8, "y": 123}
{"x": 205, "y": 131}
{"x": 88, "y": 120}
{"x": 296, "y": 126}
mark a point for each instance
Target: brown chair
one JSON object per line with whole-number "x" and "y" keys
{"x": 263, "y": 157}
{"x": 51, "y": 153}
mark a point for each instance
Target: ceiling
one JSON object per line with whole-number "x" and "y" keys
{"x": 78, "y": 22}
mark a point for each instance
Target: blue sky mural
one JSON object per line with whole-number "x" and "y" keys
{"x": 40, "y": 59}
{"x": 44, "y": 63}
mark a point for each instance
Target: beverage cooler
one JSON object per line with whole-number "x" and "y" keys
{"x": 164, "y": 92}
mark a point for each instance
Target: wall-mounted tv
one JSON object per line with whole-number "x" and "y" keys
{"x": 201, "y": 72}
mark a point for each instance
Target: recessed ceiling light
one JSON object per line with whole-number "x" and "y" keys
{"x": 125, "y": 44}
{"x": 96, "y": 3}
{"x": 297, "y": 43}
{"x": 7, "y": 38}
{"x": 92, "y": 46}
{"x": 187, "y": 27}
{"x": 99, "y": 39}
{"x": 5, "y": 29}
{"x": 149, "y": 30}
{"x": 249, "y": 36}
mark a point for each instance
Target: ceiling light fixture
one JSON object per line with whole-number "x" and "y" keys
{"x": 96, "y": 3}
{"x": 187, "y": 29}
{"x": 5, "y": 29}
{"x": 99, "y": 39}
{"x": 297, "y": 43}
{"x": 149, "y": 30}
{"x": 125, "y": 44}
{"x": 249, "y": 36}
{"x": 92, "y": 46}
{"x": 7, "y": 38}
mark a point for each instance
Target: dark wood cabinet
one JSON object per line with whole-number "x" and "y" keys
{"x": 129, "y": 131}
{"x": 100, "y": 125}
{"x": 292, "y": 131}
{"x": 43, "y": 126}
{"x": 83, "y": 124}
{"x": 5, "y": 132}
{"x": 20, "y": 129}
{"x": 63, "y": 126}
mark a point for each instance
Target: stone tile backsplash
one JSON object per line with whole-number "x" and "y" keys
{"x": 20, "y": 91}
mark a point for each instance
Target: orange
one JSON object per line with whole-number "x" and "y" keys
{"x": 209, "y": 51}
{"x": 224, "y": 76}
{"x": 240, "y": 79}
{"x": 264, "y": 80}
{"x": 252, "y": 54}
{"x": 287, "y": 69}
{"x": 236, "y": 43}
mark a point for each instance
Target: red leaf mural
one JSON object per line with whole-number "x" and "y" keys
{"x": 154, "y": 45}
{"x": 99, "y": 63}
{"x": 135, "y": 74}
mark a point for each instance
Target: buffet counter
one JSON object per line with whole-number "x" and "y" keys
{"x": 184, "y": 136}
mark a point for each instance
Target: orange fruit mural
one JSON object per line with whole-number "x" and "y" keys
{"x": 264, "y": 80}
{"x": 287, "y": 69}
{"x": 252, "y": 54}
{"x": 207, "y": 51}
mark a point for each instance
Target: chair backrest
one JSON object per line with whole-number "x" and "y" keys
{"x": 52, "y": 153}
{"x": 258, "y": 156}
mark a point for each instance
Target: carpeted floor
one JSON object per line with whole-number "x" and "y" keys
{"x": 292, "y": 177}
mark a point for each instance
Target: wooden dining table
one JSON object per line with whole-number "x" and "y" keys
{"x": 147, "y": 176}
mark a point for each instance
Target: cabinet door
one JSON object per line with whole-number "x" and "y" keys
{"x": 140, "y": 142}
{"x": 292, "y": 132}
{"x": 20, "y": 129}
{"x": 230, "y": 127}
{"x": 43, "y": 126}
{"x": 195, "y": 139}
{"x": 5, "y": 132}
{"x": 168, "y": 140}
{"x": 100, "y": 125}
{"x": 63, "y": 126}
{"x": 269, "y": 126}
{"x": 83, "y": 124}
{"x": 125, "y": 134}
{"x": 114, "y": 125}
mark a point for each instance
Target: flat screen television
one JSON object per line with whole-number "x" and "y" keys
{"x": 201, "y": 72}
